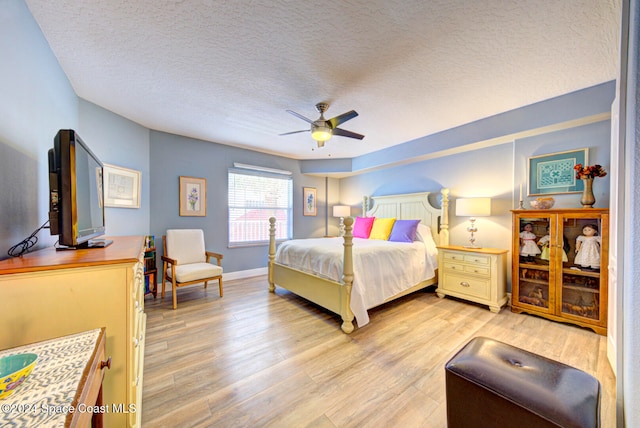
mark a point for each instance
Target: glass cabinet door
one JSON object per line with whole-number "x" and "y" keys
{"x": 581, "y": 280}
{"x": 534, "y": 251}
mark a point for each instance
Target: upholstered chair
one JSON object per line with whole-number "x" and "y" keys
{"x": 185, "y": 261}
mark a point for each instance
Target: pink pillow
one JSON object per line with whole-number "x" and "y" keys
{"x": 362, "y": 227}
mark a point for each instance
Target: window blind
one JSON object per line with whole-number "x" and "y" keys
{"x": 254, "y": 196}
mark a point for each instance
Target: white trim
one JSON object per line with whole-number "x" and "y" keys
{"x": 243, "y": 274}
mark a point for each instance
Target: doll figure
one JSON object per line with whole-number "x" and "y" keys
{"x": 588, "y": 248}
{"x": 544, "y": 245}
{"x": 528, "y": 247}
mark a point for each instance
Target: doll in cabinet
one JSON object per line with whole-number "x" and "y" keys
{"x": 528, "y": 247}
{"x": 588, "y": 248}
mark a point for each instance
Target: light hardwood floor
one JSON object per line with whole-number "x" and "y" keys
{"x": 254, "y": 359}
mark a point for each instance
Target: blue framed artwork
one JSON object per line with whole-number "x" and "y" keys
{"x": 309, "y": 195}
{"x": 554, "y": 173}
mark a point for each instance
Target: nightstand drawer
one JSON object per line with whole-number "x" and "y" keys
{"x": 477, "y": 270}
{"x": 478, "y": 260}
{"x": 466, "y": 285}
{"x": 458, "y": 257}
{"x": 454, "y": 267}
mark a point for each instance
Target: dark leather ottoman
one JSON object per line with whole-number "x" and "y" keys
{"x": 492, "y": 384}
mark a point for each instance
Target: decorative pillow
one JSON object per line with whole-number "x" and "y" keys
{"x": 404, "y": 231}
{"x": 362, "y": 227}
{"x": 382, "y": 228}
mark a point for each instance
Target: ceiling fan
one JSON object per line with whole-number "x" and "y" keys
{"x": 323, "y": 129}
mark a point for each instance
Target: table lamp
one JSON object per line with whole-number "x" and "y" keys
{"x": 473, "y": 207}
{"x": 341, "y": 211}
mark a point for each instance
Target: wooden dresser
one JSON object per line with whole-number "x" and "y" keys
{"x": 49, "y": 293}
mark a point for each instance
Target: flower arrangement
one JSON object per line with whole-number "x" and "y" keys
{"x": 591, "y": 171}
{"x": 193, "y": 198}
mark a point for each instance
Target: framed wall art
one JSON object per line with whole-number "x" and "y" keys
{"x": 310, "y": 201}
{"x": 121, "y": 187}
{"x": 193, "y": 196}
{"x": 553, "y": 173}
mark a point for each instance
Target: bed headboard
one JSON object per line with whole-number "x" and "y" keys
{"x": 413, "y": 206}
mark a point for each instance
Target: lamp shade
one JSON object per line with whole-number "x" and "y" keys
{"x": 341, "y": 211}
{"x": 473, "y": 207}
{"x": 321, "y": 133}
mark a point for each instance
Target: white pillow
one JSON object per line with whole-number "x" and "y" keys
{"x": 423, "y": 232}
{"x": 424, "y": 235}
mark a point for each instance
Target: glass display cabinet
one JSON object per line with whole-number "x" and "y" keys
{"x": 560, "y": 265}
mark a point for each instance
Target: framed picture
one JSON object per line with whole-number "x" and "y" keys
{"x": 193, "y": 196}
{"x": 121, "y": 187}
{"x": 554, "y": 173}
{"x": 309, "y": 197}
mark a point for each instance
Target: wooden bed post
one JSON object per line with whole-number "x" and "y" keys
{"x": 444, "y": 219}
{"x": 347, "y": 277}
{"x": 272, "y": 252}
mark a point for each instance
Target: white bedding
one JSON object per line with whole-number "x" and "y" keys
{"x": 382, "y": 269}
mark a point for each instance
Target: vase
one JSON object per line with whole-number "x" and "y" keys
{"x": 588, "y": 199}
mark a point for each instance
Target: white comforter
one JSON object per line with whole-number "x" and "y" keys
{"x": 382, "y": 269}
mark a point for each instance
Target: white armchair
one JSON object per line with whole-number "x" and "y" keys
{"x": 185, "y": 261}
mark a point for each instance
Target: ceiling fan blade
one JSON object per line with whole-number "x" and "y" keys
{"x": 294, "y": 132}
{"x": 336, "y": 121}
{"x": 345, "y": 133}
{"x": 298, "y": 115}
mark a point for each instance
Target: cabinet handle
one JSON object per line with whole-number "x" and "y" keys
{"x": 106, "y": 364}
{"x": 465, "y": 284}
{"x": 135, "y": 342}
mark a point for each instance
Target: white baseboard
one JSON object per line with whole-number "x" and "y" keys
{"x": 242, "y": 274}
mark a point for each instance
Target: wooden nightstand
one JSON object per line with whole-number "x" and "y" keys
{"x": 475, "y": 274}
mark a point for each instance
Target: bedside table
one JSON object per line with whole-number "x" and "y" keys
{"x": 475, "y": 274}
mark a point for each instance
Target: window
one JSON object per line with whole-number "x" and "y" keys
{"x": 254, "y": 196}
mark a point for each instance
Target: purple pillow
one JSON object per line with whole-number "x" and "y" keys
{"x": 404, "y": 231}
{"x": 362, "y": 227}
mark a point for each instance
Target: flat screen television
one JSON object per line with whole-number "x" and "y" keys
{"x": 76, "y": 209}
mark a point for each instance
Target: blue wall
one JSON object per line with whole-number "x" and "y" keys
{"x": 38, "y": 100}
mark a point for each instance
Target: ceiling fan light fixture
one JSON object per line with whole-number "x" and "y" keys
{"x": 321, "y": 133}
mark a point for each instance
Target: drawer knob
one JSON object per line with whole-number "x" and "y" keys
{"x": 465, "y": 284}
{"x": 106, "y": 364}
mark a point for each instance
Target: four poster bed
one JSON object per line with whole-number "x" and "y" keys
{"x": 350, "y": 275}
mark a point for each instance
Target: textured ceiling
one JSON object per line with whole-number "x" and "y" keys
{"x": 226, "y": 70}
